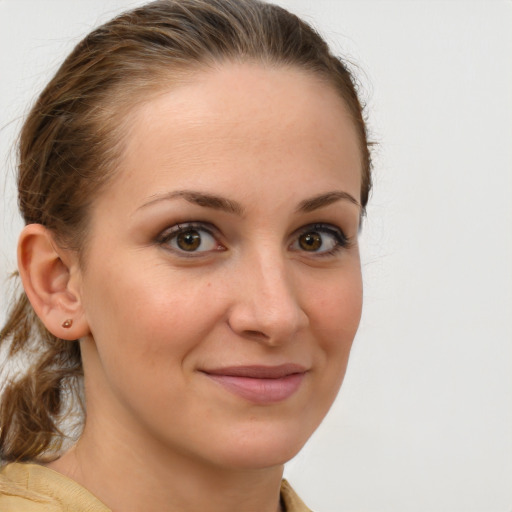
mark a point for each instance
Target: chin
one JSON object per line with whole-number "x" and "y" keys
{"x": 263, "y": 448}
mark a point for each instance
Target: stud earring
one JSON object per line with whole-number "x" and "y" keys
{"x": 67, "y": 323}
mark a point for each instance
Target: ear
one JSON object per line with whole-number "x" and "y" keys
{"x": 51, "y": 278}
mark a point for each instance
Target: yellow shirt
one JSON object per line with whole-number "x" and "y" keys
{"x": 34, "y": 488}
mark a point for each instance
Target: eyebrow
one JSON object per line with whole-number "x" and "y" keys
{"x": 228, "y": 205}
{"x": 309, "y": 205}
{"x": 200, "y": 199}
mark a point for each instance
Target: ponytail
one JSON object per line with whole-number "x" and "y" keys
{"x": 33, "y": 407}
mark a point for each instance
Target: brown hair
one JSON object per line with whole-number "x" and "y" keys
{"x": 73, "y": 136}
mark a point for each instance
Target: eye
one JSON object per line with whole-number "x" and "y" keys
{"x": 190, "y": 238}
{"x": 321, "y": 239}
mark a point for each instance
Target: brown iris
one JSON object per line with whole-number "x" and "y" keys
{"x": 188, "y": 240}
{"x": 310, "y": 241}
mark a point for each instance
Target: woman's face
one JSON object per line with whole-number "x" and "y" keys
{"x": 222, "y": 285}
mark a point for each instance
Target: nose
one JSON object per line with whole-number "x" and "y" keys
{"x": 267, "y": 306}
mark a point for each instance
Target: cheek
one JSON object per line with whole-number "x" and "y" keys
{"x": 335, "y": 320}
{"x": 149, "y": 319}
{"x": 338, "y": 305}
{"x": 145, "y": 321}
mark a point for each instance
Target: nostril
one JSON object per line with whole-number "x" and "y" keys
{"x": 256, "y": 334}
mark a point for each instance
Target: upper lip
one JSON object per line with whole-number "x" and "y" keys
{"x": 258, "y": 371}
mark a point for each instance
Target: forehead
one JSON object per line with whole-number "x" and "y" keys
{"x": 245, "y": 117}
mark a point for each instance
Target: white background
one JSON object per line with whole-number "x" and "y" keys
{"x": 424, "y": 420}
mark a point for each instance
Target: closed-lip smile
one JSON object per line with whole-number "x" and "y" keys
{"x": 260, "y": 384}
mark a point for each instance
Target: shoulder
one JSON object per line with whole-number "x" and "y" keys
{"x": 34, "y": 488}
{"x": 290, "y": 500}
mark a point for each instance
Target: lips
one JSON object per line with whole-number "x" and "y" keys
{"x": 260, "y": 384}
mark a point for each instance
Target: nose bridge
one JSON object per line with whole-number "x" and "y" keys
{"x": 269, "y": 304}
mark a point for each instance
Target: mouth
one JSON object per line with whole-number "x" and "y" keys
{"x": 260, "y": 384}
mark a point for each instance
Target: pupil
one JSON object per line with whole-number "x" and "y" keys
{"x": 189, "y": 240}
{"x": 310, "y": 241}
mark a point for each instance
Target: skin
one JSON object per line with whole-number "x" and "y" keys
{"x": 154, "y": 318}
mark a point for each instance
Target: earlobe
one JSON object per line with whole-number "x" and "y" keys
{"x": 50, "y": 278}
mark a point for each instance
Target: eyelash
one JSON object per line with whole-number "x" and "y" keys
{"x": 341, "y": 241}
{"x": 172, "y": 233}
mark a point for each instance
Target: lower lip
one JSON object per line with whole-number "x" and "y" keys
{"x": 261, "y": 391}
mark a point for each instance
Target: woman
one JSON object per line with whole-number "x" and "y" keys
{"x": 192, "y": 182}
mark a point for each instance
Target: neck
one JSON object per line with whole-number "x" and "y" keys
{"x": 127, "y": 477}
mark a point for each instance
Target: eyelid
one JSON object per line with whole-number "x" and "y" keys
{"x": 336, "y": 233}
{"x": 170, "y": 233}
{"x": 342, "y": 240}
